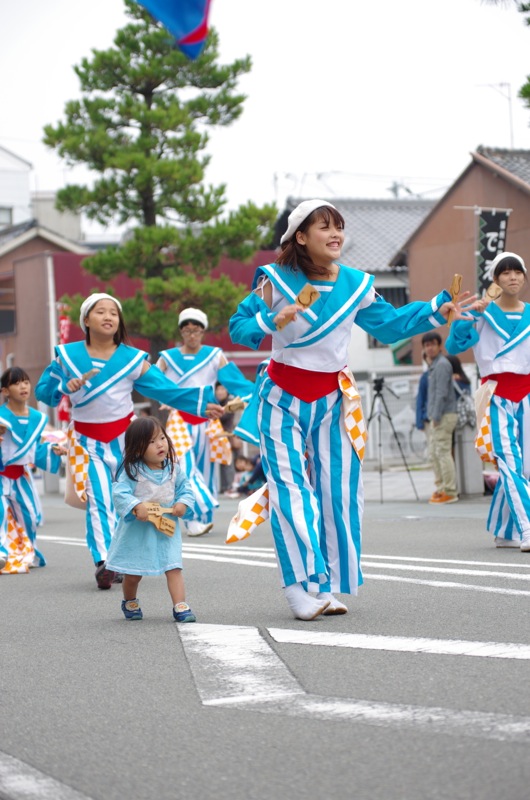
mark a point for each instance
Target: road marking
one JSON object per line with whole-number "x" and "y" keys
{"x": 19, "y": 781}
{"x": 234, "y": 667}
{"x": 403, "y": 644}
{"x": 484, "y": 573}
{"x": 470, "y": 587}
{"x": 205, "y": 552}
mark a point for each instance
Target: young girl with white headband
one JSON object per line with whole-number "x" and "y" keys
{"x": 499, "y": 334}
{"x": 310, "y": 454}
{"x": 99, "y": 375}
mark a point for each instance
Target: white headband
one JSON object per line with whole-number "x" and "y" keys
{"x": 193, "y": 315}
{"x": 300, "y": 213}
{"x": 90, "y": 302}
{"x": 499, "y": 257}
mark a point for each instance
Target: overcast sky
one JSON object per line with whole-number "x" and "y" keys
{"x": 344, "y": 97}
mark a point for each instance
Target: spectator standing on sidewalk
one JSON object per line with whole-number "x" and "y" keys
{"x": 441, "y": 411}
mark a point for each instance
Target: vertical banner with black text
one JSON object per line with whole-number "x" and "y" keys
{"x": 491, "y": 240}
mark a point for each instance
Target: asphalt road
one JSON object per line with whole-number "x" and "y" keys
{"x": 420, "y": 691}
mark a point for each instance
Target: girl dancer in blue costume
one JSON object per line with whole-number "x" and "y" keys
{"x": 313, "y": 471}
{"x": 198, "y": 364}
{"x": 21, "y": 448}
{"x": 99, "y": 376}
{"x": 149, "y": 474}
{"x": 499, "y": 334}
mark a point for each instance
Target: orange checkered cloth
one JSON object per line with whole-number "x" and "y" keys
{"x": 220, "y": 450}
{"x": 178, "y": 432}
{"x": 483, "y": 442}
{"x": 251, "y": 512}
{"x": 254, "y": 510}
{"x": 77, "y": 461}
{"x": 19, "y": 548}
{"x": 352, "y": 412}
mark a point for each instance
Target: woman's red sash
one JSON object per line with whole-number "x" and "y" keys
{"x": 103, "y": 431}
{"x": 510, "y": 385}
{"x": 13, "y": 471}
{"x": 304, "y": 384}
{"x": 192, "y": 419}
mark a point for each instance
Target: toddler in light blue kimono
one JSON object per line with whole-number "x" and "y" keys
{"x": 149, "y": 474}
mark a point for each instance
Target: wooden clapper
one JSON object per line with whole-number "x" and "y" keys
{"x": 162, "y": 524}
{"x": 455, "y": 289}
{"x": 307, "y": 296}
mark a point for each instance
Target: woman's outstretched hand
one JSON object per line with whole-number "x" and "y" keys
{"x": 461, "y": 307}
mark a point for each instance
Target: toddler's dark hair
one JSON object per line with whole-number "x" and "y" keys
{"x": 138, "y": 437}
{"x": 13, "y": 375}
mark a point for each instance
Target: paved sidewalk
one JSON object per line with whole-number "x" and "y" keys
{"x": 392, "y": 493}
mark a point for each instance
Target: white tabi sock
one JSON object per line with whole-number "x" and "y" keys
{"x": 335, "y": 606}
{"x": 302, "y": 604}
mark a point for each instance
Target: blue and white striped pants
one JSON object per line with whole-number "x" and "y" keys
{"x": 101, "y": 519}
{"x": 509, "y": 514}
{"x": 316, "y": 496}
{"x": 201, "y": 473}
{"x": 21, "y": 494}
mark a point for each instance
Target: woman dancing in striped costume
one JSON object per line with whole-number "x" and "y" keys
{"x": 313, "y": 471}
{"x": 499, "y": 334}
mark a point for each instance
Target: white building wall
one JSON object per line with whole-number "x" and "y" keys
{"x": 66, "y": 223}
{"x": 14, "y": 186}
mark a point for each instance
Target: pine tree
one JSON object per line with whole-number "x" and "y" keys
{"x": 142, "y": 125}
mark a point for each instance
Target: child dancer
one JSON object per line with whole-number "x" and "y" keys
{"x": 21, "y": 430}
{"x": 198, "y": 364}
{"x": 149, "y": 473}
{"x": 499, "y": 334}
{"x": 99, "y": 376}
{"x": 313, "y": 471}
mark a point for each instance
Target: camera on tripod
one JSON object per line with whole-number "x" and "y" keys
{"x": 378, "y": 384}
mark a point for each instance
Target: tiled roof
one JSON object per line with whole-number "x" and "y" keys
{"x": 375, "y": 229}
{"x": 13, "y": 231}
{"x": 515, "y": 161}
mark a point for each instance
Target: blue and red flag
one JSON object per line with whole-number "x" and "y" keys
{"x": 186, "y": 20}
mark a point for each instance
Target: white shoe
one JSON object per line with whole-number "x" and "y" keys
{"x": 500, "y": 542}
{"x": 302, "y": 604}
{"x": 335, "y": 606}
{"x": 195, "y": 528}
{"x": 525, "y": 542}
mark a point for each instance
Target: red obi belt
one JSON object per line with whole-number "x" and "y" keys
{"x": 191, "y": 419}
{"x": 304, "y": 384}
{"x": 13, "y": 471}
{"x": 103, "y": 431}
{"x": 510, "y": 385}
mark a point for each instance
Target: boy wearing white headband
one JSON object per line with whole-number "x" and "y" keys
{"x": 309, "y": 418}
{"x": 99, "y": 376}
{"x": 197, "y": 364}
{"x": 499, "y": 334}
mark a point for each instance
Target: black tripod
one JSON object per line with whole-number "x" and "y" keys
{"x": 379, "y": 409}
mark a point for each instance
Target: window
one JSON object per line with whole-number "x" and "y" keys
{"x": 398, "y": 296}
{"x": 6, "y": 217}
{"x": 7, "y": 304}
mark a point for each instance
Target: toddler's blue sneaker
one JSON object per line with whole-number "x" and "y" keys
{"x": 131, "y": 609}
{"x": 183, "y": 613}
